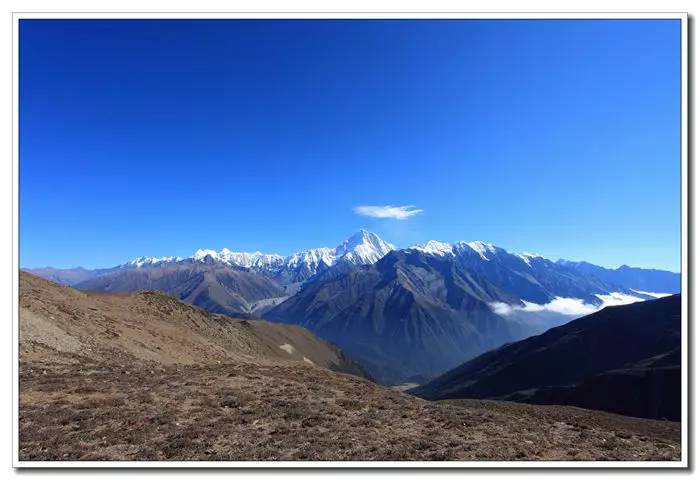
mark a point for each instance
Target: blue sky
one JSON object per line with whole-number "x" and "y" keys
{"x": 161, "y": 137}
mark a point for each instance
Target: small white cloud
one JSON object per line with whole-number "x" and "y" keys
{"x": 387, "y": 211}
{"x": 501, "y": 308}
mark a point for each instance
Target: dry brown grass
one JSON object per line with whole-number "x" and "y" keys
{"x": 253, "y": 412}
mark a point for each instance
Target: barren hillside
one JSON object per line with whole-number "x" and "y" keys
{"x": 60, "y": 324}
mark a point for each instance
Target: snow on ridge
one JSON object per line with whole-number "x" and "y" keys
{"x": 482, "y": 248}
{"x": 434, "y": 247}
{"x": 362, "y": 248}
{"x": 202, "y": 253}
{"x": 312, "y": 257}
{"x": 241, "y": 259}
{"x": 527, "y": 257}
{"x": 250, "y": 259}
{"x": 139, "y": 262}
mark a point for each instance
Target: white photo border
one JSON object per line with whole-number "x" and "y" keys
{"x": 481, "y": 464}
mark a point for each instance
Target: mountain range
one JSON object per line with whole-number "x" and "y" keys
{"x": 624, "y": 359}
{"x": 407, "y": 315}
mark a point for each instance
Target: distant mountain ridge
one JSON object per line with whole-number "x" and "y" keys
{"x": 365, "y": 248}
{"x": 232, "y": 283}
{"x": 640, "y": 279}
{"x": 409, "y": 314}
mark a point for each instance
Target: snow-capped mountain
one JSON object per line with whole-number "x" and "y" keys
{"x": 533, "y": 279}
{"x": 139, "y": 262}
{"x": 486, "y": 251}
{"x": 362, "y": 248}
{"x": 224, "y": 281}
{"x": 255, "y": 260}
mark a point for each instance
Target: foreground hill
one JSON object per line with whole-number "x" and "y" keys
{"x": 64, "y": 325}
{"x": 624, "y": 359}
{"x": 145, "y": 377}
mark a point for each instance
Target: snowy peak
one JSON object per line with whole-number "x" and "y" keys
{"x": 311, "y": 258}
{"x": 363, "y": 248}
{"x": 528, "y": 257}
{"x": 239, "y": 259}
{"x": 250, "y": 259}
{"x": 485, "y": 251}
{"x": 139, "y": 262}
{"x": 203, "y": 253}
{"x": 433, "y": 247}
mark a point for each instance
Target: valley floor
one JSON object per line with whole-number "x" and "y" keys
{"x": 247, "y": 411}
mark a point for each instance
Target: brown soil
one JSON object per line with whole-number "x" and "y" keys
{"x": 124, "y": 382}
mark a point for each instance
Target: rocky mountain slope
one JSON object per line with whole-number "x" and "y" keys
{"x": 624, "y": 359}
{"x": 232, "y": 283}
{"x": 213, "y": 286}
{"x": 122, "y": 376}
{"x": 528, "y": 277}
{"x": 421, "y": 311}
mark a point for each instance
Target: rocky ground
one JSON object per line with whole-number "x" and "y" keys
{"x": 285, "y": 412}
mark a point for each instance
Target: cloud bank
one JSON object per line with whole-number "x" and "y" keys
{"x": 387, "y": 211}
{"x": 566, "y": 306}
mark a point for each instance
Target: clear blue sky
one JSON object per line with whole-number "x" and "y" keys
{"x": 161, "y": 137}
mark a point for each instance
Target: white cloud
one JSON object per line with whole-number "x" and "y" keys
{"x": 566, "y": 306}
{"x": 617, "y": 298}
{"x": 387, "y": 211}
{"x": 652, "y": 294}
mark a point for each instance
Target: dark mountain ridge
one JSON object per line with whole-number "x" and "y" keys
{"x": 624, "y": 359}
